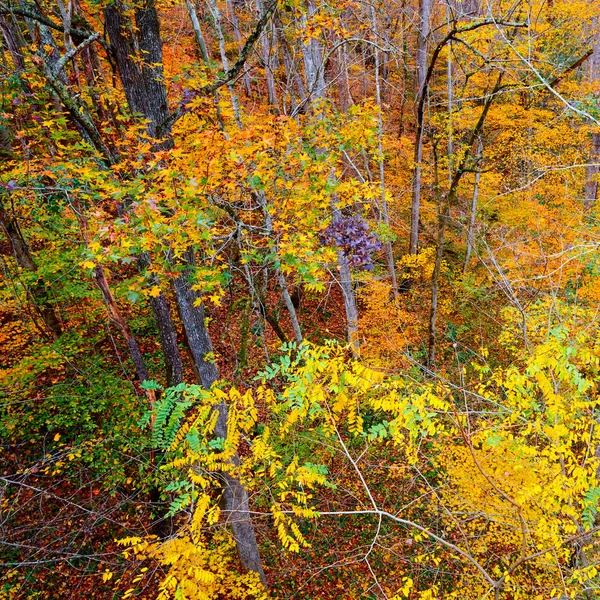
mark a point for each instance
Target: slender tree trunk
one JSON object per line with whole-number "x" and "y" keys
{"x": 288, "y": 303}
{"x": 191, "y": 9}
{"x": 423, "y": 34}
{"x": 266, "y": 57}
{"x": 345, "y": 281}
{"x": 389, "y": 253}
{"x": 340, "y": 74}
{"x": 238, "y": 38}
{"x": 450, "y": 94}
{"x": 593, "y": 169}
{"x": 473, "y": 215}
{"x": 591, "y": 174}
{"x": 312, "y": 53}
{"x": 216, "y": 14}
{"x": 435, "y": 286}
{"x": 291, "y": 69}
{"x": 235, "y": 496}
{"x": 37, "y": 291}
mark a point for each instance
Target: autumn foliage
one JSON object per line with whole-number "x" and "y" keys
{"x": 299, "y": 300}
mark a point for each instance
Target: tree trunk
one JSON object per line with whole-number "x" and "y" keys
{"x": 266, "y": 57}
{"x": 472, "y": 218}
{"x": 591, "y": 175}
{"x": 389, "y": 253}
{"x": 216, "y": 14}
{"x": 138, "y": 55}
{"x": 166, "y": 329}
{"x": 235, "y": 496}
{"x": 37, "y": 291}
{"x": 345, "y": 281}
{"x": 312, "y": 54}
{"x": 423, "y": 34}
{"x": 238, "y": 38}
{"x": 291, "y": 70}
{"x": 191, "y": 8}
{"x": 435, "y": 286}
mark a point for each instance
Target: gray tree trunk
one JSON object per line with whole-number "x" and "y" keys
{"x": 137, "y": 50}
{"x": 238, "y": 38}
{"x": 235, "y": 496}
{"x": 473, "y": 215}
{"x": 593, "y": 169}
{"x": 266, "y": 57}
{"x": 191, "y": 9}
{"x": 415, "y": 211}
{"x": 389, "y": 253}
{"x": 312, "y": 54}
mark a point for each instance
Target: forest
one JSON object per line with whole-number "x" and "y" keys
{"x": 299, "y": 299}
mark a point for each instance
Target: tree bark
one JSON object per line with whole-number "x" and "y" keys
{"x": 591, "y": 174}
{"x": 266, "y": 57}
{"x": 299, "y": 104}
{"x": 312, "y": 54}
{"x": 166, "y": 329}
{"x": 138, "y": 55}
{"x": 593, "y": 169}
{"x": 191, "y": 8}
{"x": 389, "y": 253}
{"x": 216, "y": 14}
{"x": 423, "y": 34}
{"x": 473, "y": 216}
{"x": 235, "y": 496}
{"x": 238, "y": 38}
{"x": 37, "y": 292}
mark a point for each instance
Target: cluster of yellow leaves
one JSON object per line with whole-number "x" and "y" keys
{"x": 197, "y": 569}
{"x": 516, "y": 453}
